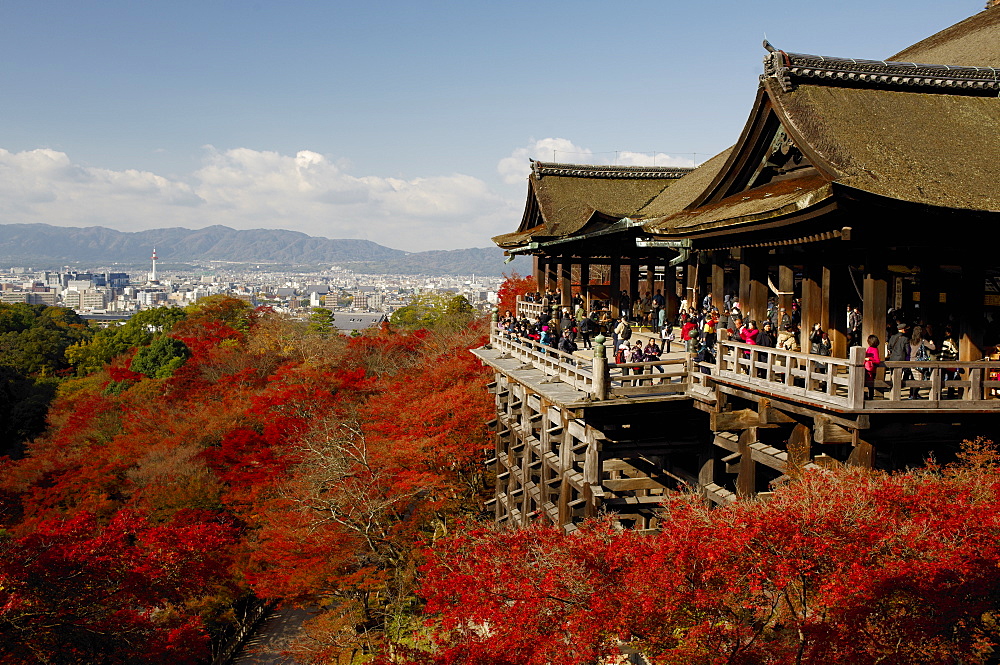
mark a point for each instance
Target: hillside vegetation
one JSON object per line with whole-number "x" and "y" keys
{"x": 228, "y": 455}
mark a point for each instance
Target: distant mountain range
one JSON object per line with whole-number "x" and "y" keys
{"x": 43, "y": 243}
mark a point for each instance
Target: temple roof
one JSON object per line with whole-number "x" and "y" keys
{"x": 563, "y": 199}
{"x": 937, "y": 149}
{"x": 973, "y": 41}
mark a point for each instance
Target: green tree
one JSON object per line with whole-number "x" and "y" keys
{"x": 427, "y": 310}
{"x": 108, "y": 343}
{"x": 321, "y": 320}
{"x": 161, "y": 358}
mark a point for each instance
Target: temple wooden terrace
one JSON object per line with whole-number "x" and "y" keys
{"x": 855, "y": 184}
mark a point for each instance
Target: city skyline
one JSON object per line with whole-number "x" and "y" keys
{"x": 408, "y": 125}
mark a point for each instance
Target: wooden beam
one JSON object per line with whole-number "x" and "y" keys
{"x": 769, "y": 415}
{"x": 863, "y": 453}
{"x": 746, "y": 481}
{"x": 861, "y": 421}
{"x": 827, "y": 431}
{"x": 718, "y": 494}
{"x": 632, "y": 484}
{"x": 799, "y": 448}
{"x": 733, "y": 420}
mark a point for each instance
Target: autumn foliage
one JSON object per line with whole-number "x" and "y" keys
{"x": 514, "y": 287}
{"x": 205, "y": 458}
{"x": 841, "y": 567}
{"x": 230, "y": 454}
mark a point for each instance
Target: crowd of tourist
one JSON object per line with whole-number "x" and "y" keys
{"x": 699, "y": 326}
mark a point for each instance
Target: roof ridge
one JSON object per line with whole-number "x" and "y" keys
{"x": 787, "y": 67}
{"x": 540, "y": 169}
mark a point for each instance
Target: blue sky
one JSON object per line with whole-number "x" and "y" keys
{"x": 406, "y": 123}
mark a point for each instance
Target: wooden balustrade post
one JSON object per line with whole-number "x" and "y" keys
{"x": 600, "y": 370}
{"x": 856, "y": 377}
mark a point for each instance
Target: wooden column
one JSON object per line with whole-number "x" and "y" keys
{"x": 743, "y": 288}
{"x": 671, "y": 285}
{"x": 538, "y": 271}
{"x": 786, "y": 289}
{"x": 633, "y": 280}
{"x": 585, "y": 283}
{"x": 615, "y": 286}
{"x": 972, "y": 321}
{"x": 756, "y": 307}
{"x": 566, "y": 280}
{"x": 650, "y": 278}
{"x": 719, "y": 277}
{"x": 875, "y": 304}
{"x": 838, "y": 292}
{"x": 812, "y": 298}
{"x": 691, "y": 281}
{"x": 551, "y": 275}
{"x": 746, "y": 481}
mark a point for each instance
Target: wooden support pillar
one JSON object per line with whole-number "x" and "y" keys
{"x": 799, "y": 449}
{"x": 691, "y": 281}
{"x": 591, "y": 474}
{"x": 650, "y": 278}
{"x": 743, "y": 288}
{"x": 615, "y": 286}
{"x": 786, "y": 292}
{"x": 566, "y": 280}
{"x": 633, "y": 280}
{"x": 671, "y": 285}
{"x": 538, "y": 271}
{"x": 719, "y": 277}
{"x": 812, "y": 299}
{"x": 585, "y": 283}
{"x": 838, "y": 293}
{"x": 746, "y": 481}
{"x": 863, "y": 453}
{"x": 972, "y": 321}
{"x": 565, "y": 466}
{"x": 551, "y": 275}
{"x": 875, "y": 304}
{"x": 757, "y": 264}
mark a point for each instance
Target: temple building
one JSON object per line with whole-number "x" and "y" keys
{"x": 855, "y": 183}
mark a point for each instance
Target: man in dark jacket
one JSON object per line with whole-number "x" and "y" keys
{"x": 566, "y": 343}
{"x": 898, "y": 345}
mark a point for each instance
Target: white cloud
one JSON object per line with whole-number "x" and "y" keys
{"x": 245, "y": 188}
{"x": 651, "y": 159}
{"x": 515, "y": 168}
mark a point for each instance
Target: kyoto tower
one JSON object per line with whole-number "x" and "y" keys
{"x": 152, "y": 275}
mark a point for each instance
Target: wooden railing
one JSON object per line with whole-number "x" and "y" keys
{"x": 554, "y": 363}
{"x": 815, "y": 378}
{"x": 596, "y": 376}
{"x": 926, "y": 384}
{"x": 822, "y": 380}
{"x": 649, "y": 378}
{"x": 840, "y": 382}
{"x": 529, "y": 310}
